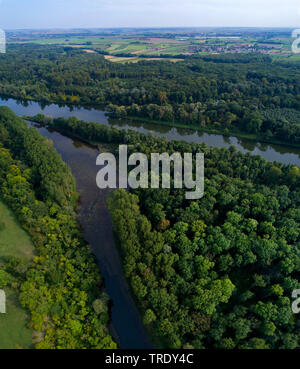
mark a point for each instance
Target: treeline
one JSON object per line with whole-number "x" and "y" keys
{"x": 259, "y": 171}
{"x": 216, "y": 272}
{"x": 226, "y": 92}
{"x": 227, "y": 118}
{"x": 62, "y": 287}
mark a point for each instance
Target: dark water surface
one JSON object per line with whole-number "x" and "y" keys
{"x": 94, "y": 217}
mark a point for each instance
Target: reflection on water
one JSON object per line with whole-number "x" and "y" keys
{"x": 280, "y": 153}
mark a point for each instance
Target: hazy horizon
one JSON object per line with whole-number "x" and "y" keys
{"x": 70, "y": 14}
{"x": 147, "y": 28}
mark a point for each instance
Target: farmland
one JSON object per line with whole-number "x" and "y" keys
{"x": 139, "y": 44}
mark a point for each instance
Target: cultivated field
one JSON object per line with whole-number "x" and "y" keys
{"x": 140, "y": 46}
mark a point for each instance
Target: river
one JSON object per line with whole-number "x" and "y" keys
{"x": 126, "y": 326}
{"x": 280, "y": 153}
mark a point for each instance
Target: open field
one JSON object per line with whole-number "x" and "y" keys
{"x": 120, "y": 59}
{"x": 14, "y": 241}
{"x": 140, "y": 44}
{"x": 14, "y": 332}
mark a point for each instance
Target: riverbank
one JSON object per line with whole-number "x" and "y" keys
{"x": 280, "y": 153}
{"x": 95, "y": 221}
{"x": 234, "y": 133}
{"x": 84, "y": 213}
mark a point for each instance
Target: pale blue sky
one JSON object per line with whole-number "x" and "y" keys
{"x": 148, "y": 13}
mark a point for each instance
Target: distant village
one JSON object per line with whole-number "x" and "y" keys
{"x": 239, "y": 48}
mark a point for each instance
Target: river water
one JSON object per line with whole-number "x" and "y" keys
{"x": 280, "y": 153}
{"x": 126, "y": 326}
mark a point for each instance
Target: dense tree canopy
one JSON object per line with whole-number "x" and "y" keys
{"x": 62, "y": 288}
{"x": 230, "y": 93}
{"x": 216, "y": 272}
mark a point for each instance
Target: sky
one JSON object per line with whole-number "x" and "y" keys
{"x": 20, "y": 14}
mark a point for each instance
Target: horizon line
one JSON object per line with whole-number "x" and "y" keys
{"x": 147, "y": 27}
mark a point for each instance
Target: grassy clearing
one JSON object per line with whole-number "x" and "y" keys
{"x": 14, "y": 241}
{"x": 14, "y": 332}
{"x": 128, "y": 59}
{"x": 120, "y": 59}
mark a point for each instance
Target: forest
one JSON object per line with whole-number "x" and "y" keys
{"x": 216, "y": 272}
{"x": 61, "y": 288}
{"x": 231, "y": 93}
